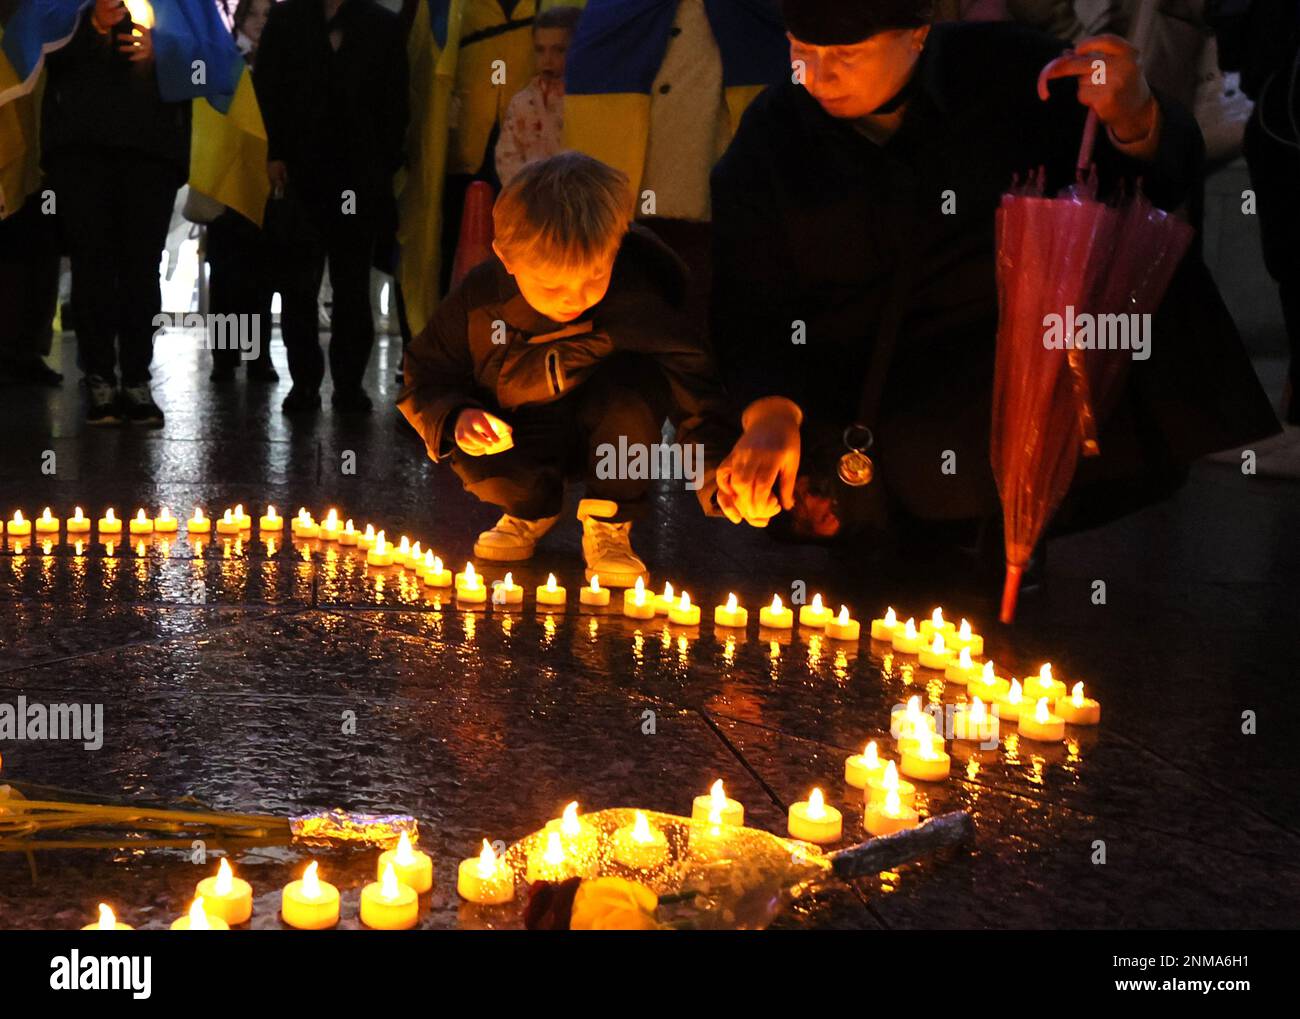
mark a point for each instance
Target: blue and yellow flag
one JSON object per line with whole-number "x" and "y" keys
{"x": 616, "y": 55}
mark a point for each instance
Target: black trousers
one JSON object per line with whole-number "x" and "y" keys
{"x": 114, "y": 208}
{"x": 626, "y": 397}
{"x": 240, "y": 282}
{"x": 325, "y": 234}
{"x": 29, "y": 283}
{"x": 1275, "y": 175}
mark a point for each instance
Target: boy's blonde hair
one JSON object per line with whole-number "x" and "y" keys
{"x": 566, "y": 212}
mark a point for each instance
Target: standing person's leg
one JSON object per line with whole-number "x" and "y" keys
{"x": 88, "y": 209}
{"x": 223, "y": 290}
{"x": 29, "y": 288}
{"x": 1274, "y": 173}
{"x": 300, "y": 273}
{"x": 351, "y": 242}
{"x": 147, "y": 190}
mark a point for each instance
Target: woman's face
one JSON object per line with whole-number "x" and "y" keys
{"x": 852, "y": 81}
{"x": 255, "y": 20}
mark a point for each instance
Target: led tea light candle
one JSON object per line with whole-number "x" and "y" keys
{"x": 381, "y": 552}
{"x": 968, "y": 639}
{"x": 732, "y": 614}
{"x": 243, "y": 519}
{"x": 47, "y": 523}
{"x": 507, "y": 592}
{"x": 402, "y": 551}
{"x": 109, "y": 523}
{"x": 270, "y": 520}
{"x": 935, "y": 655}
{"x": 554, "y": 594}
{"x": 304, "y": 524}
{"x": 164, "y": 522}
{"x": 937, "y": 624}
{"x": 141, "y": 523}
{"x": 19, "y": 526}
{"x": 814, "y": 614}
{"x": 107, "y": 921}
{"x": 366, "y": 539}
{"x": 859, "y": 768}
{"x": 879, "y": 788}
{"x": 310, "y": 904}
{"x": 924, "y": 760}
{"x": 469, "y": 585}
{"x": 813, "y": 821}
{"x": 910, "y": 719}
{"x": 636, "y": 603}
{"x": 775, "y": 616}
{"x": 198, "y": 524}
{"x": 883, "y": 629}
{"x": 228, "y": 523}
{"x": 593, "y": 594}
{"x": 988, "y": 685}
{"x": 974, "y": 723}
{"x": 577, "y": 836}
{"x": 1078, "y": 709}
{"x": 1044, "y": 685}
{"x": 331, "y": 528}
{"x": 415, "y": 560}
{"x": 349, "y": 534}
{"x": 716, "y": 803}
{"x": 665, "y": 601}
{"x": 684, "y": 613}
{"x": 485, "y": 879}
{"x": 199, "y": 919}
{"x": 414, "y": 868}
{"x": 1038, "y": 723}
{"x": 843, "y": 626}
{"x": 434, "y": 573}
{"x": 961, "y": 669}
{"x": 225, "y": 895}
{"x": 389, "y": 905}
{"x": 908, "y": 639}
{"x": 889, "y": 816}
{"x": 552, "y": 863}
{"x": 78, "y": 523}
{"x": 1009, "y": 706}
{"x": 639, "y": 845}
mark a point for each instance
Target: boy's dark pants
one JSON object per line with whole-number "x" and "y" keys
{"x": 554, "y": 442}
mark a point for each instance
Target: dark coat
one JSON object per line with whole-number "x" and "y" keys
{"x": 463, "y": 359}
{"x": 95, "y": 96}
{"x": 811, "y": 219}
{"x": 338, "y": 119}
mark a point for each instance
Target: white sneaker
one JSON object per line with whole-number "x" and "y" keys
{"x": 511, "y": 539}
{"x": 607, "y": 546}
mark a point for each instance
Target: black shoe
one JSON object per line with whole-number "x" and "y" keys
{"x": 222, "y": 372}
{"x": 102, "y": 404}
{"x": 262, "y": 371}
{"x": 301, "y": 401}
{"x": 351, "y": 401}
{"x": 139, "y": 408}
{"x": 35, "y": 373}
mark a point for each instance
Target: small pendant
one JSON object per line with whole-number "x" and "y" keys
{"x": 856, "y": 468}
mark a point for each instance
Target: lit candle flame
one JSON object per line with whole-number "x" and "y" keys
{"x": 964, "y": 631}
{"x": 1076, "y": 695}
{"x": 925, "y": 744}
{"x": 108, "y": 514}
{"x": 889, "y": 781}
{"x": 388, "y": 888}
{"x": 685, "y": 602}
{"x": 141, "y": 12}
{"x": 816, "y": 805}
{"x": 404, "y": 854}
{"x": 891, "y": 617}
{"x": 370, "y": 532}
{"x": 197, "y": 518}
{"x": 977, "y": 711}
{"x": 404, "y": 545}
{"x": 554, "y": 855}
{"x": 732, "y": 602}
{"x": 844, "y": 615}
{"x": 1014, "y": 695}
{"x": 470, "y": 579}
{"x": 988, "y": 675}
{"x": 668, "y": 592}
{"x": 872, "y": 758}
{"x": 909, "y": 631}
{"x": 893, "y": 805}
{"x": 76, "y": 514}
{"x": 595, "y": 583}
{"x": 437, "y": 565}
{"x": 509, "y": 582}
{"x": 817, "y": 604}
{"x": 239, "y": 509}
{"x": 107, "y": 921}
{"x": 487, "y": 862}
{"x": 199, "y": 918}
{"x": 164, "y": 514}
{"x": 717, "y": 795}
{"x": 936, "y": 618}
{"x": 641, "y": 829}
{"x": 1041, "y": 714}
{"x": 332, "y": 518}
{"x": 914, "y": 709}
{"x": 776, "y": 603}
{"x": 550, "y": 582}
{"x": 569, "y": 820}
{"x": 963, "y": 660}
{"x": 140, "y": 517}
{"x": 46, "y": 515}
{"x": 310, "y": 881}
{"x": 938, "y": 647}
{"x": 1045, "y": 674}
{"x": 225, "y": 878}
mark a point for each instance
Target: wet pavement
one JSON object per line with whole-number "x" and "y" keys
{"x": 227, "y": 674}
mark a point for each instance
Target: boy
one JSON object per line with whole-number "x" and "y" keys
{"x": 533, "y": 127}
{"x": 568, "y": 344}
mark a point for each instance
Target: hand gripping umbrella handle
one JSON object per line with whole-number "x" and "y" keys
{"x": 1139, "y": 33}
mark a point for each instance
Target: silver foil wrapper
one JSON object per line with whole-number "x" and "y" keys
{"x": 331, "y": 827}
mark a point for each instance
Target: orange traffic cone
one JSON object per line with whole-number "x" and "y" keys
{"x": 475, "y": 242}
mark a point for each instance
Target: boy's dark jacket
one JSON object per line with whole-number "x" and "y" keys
{"x": 487, "y": 347}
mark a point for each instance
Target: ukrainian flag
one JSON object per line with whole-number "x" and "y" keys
{"x": 432, "y": 49}
{"x": 616, "y": 55}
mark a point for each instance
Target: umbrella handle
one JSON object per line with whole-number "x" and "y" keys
{"x": 1086, "y": 145}
{"x": 1139, "y": 34}
{"x": 1010, "y": 593}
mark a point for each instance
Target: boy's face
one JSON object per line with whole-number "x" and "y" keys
{"x": 549, "y": 47}
{"x": 560, "y": 295}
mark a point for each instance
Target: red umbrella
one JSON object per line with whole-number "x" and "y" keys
{"x": 1075, "y": 279}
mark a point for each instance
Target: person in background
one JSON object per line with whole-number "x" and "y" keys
{"x": 116, "y": 154}
{"x": 241, "y": 271}
{"x": 533, "y": 126}
{"x": 331, "y": 79}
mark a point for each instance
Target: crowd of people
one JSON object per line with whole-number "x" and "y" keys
{"x": 771, "y": 223}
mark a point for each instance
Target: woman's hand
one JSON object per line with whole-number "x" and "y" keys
{"x": 765, "y": 456}
{"x": 138, "y": 45}
{"x": 479, "y": 433}
{"x": 1111, "y": 82}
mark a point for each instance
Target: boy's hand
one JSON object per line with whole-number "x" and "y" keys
{"x": 767, "y": 454}
{"x": 479, "y": 433}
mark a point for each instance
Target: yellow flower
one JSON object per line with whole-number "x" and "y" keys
{"x": 613, "y": 904}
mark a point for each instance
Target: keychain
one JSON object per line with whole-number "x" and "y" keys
{"x": 856, "y": 468}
